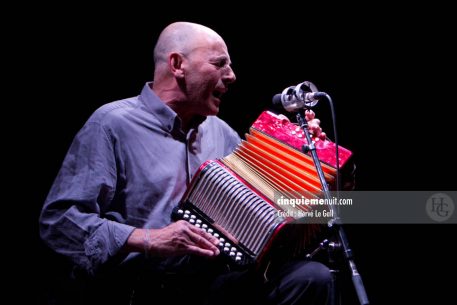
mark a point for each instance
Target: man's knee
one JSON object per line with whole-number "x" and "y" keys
{"x": 308, "y": 273}
{"x": 317, "y": 272}
{"x": 301, "y": 282}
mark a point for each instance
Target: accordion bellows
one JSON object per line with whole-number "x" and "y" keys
{"x": 236, "y": 198}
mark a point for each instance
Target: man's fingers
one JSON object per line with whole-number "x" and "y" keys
{"x": 207, "y": 236}
{"x": 315, "y": 130}
{"x": 202, "y": 241}
{"x": 309, "y": 115}
{"x": 314, "y": 123}
{"x": 201, "y": 252}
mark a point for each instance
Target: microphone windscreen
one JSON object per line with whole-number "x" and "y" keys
{"x": 277, "y": 100}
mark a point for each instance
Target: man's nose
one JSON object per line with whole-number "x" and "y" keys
{"x": 229, "y": 76}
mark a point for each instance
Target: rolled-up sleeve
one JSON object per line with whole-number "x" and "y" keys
{"x": 73, "y": 220}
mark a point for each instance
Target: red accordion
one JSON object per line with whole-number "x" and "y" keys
{"x": 236, "y": 198}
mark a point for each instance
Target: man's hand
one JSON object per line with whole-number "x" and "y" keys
{"x": 178, "y": 238}
{"x": 314, "y": 125}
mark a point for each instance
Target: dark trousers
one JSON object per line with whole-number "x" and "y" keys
{"x": 293, "y": 282}
{"x": 296, "y": 282}
{"x": 193, "y": 280}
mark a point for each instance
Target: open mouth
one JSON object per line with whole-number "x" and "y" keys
{"x": 217, "y": 94}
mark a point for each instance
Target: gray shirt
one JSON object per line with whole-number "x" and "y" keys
{"x": 127, "y": 167}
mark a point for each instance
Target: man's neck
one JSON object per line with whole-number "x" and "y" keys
{"x": 176, "y": 100}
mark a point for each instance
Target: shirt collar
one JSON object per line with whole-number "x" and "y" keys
{"x": 166, "y": 116}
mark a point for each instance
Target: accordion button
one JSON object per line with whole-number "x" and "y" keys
{"x": 204, "y": 226}
{"x": 216, "y": 235}
{"x": 228, "y": 245}
{"x": 239, "y": 254}
{"x": 238, "y": 258}
{"x": 226, "y": 249}
{"x": 222, "y": 240}
{"x": 186, "y": 216}
{"x": 221, "y": 245}
{"x": 232, "y": 254}
{"x": 198, "y": 225}
{"x": 180, "y": 211}
{"x": 233, "y": 250}
{"x": 192, "y": 221}
{"x": 187, "y": 212}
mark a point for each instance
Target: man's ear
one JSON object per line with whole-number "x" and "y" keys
{"x": 175, "y": 61}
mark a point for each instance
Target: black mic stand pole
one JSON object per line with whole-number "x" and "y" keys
{"x": 334, "y": 223}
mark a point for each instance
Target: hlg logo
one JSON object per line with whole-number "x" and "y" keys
{"x": 439, "y": 207}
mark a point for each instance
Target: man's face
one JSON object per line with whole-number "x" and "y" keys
{"x": 207, "y": 77}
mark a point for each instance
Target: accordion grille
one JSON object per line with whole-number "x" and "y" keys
{"x": 229, "y": 203}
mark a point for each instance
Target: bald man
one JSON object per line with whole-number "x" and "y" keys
{"x": 109, "y": 208}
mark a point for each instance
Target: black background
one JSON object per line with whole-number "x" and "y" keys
{"x": 390, "y": 72}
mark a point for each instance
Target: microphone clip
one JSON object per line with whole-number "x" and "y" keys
{"x": 301, "y": 96}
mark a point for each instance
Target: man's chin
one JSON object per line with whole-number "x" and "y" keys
{"x": 213, "y": 111}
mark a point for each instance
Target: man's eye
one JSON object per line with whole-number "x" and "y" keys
{"x": 220, "y": 64}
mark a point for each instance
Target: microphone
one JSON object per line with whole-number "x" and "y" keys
{"x": 304, "y": 95}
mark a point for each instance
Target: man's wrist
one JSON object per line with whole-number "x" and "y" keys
{"x": 146, "y": 242}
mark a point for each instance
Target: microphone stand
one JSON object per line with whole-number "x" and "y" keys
{"x": 334, "y": 223}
